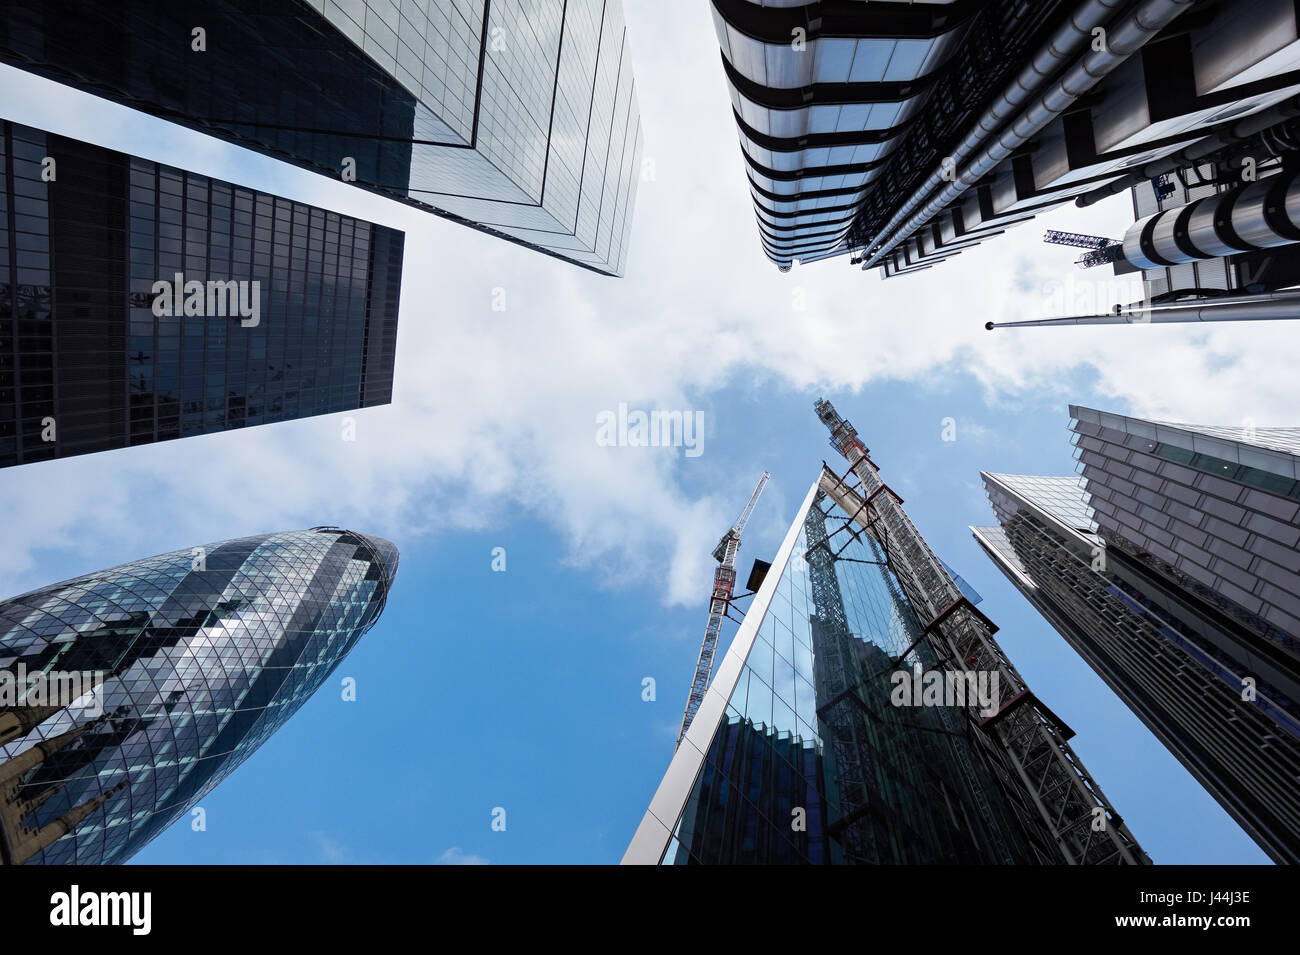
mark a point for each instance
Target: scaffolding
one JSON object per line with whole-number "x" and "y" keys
{"x": 1023, "y": 743}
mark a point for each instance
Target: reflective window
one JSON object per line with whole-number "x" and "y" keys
{"x": 174, "y": 670}
{"x": 814, "y": 761}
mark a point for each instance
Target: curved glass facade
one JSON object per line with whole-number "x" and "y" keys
{"x": 127, "y": 695}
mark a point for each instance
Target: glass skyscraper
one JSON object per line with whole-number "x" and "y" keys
{"x": 517, "y": 117}
{"x": 1172, "y": 566}
{"x": 96, "y": 354}
{"x": 191, "y": 660}
{"x": 804, "y": 752}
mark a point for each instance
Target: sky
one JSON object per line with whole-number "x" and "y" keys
{"x": 521, "y": 689}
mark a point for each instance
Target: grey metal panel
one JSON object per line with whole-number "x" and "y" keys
{"x": 1241, "y": 36}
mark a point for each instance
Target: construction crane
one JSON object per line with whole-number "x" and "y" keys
{"x": 1101, "y": 251}
{"x": 724, "y": 581}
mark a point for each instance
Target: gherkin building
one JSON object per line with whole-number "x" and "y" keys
{"x": 127, "y": 695}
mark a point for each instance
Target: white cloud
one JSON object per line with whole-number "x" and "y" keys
{"x": 329, "y": 848}
{"x": 495, "y": 412}
{"x": 455, "y": 856}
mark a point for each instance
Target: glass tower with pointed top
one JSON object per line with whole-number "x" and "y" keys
{"x": 797, "y": 754}
{"x": 190, "y": 660}
{"x": 816, "y": 744}
{"x": 1172, "y": 566}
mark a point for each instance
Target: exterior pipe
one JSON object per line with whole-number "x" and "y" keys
{"x": 1263, "y": 214}
{"x": 1066, "y": 43}
{"x": 1133, "y": 32}
{"x": 1229, "y": 134}
{"x": 1275, "y": 306}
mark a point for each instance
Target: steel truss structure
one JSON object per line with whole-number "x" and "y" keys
{"x": 1024, "y": 744}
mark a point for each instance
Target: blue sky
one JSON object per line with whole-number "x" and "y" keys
{"x": 522, "y": 689}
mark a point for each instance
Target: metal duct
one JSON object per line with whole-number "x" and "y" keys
{"x": 1233, "y": 133}
{"x": 1259, "y": 215}
{"x": 1036, "y": 104}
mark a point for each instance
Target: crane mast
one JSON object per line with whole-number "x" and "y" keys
{"x": 724, "y": 581}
